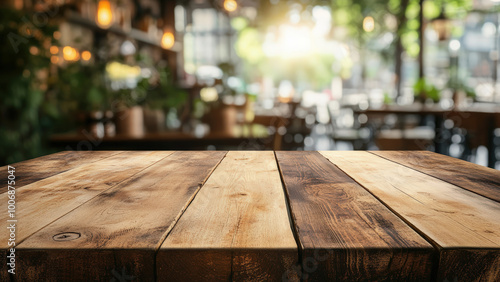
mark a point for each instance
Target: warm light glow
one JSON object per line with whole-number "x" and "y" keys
{"x": 118, "y": 71}
{"x": 33, "y": 50}
{"x": 209, "y": 94}
{"x": 368, "y": 24}
{"x": 86, "y": 55}
{"x": 230, "y": 5}
{"x": 442, "y": 25}
{"x": 54, "y": 50}
{"x": 442, "y": 28}
{"x": 54, "y": 59}
{"x": 167, "y": 40}
{"x": 290, "y": 42}
{"x": 70, "y": 54}
{"x": 285, "y": 91}
{"x": 57, "y": 35}
{"x": 104, "y": 14}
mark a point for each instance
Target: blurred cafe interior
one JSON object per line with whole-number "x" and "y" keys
{"x": 250, "y": 75}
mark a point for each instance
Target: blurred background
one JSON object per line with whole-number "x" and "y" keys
{"x": 250, "y": 75}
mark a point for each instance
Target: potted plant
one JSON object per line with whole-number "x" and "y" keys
{"x": 162, "y": 97}
{"x": 128, "y": 112}
{"x": 425, "y": 91}
{"x": 221, "y": 115}
{"x": 82, "y": 91}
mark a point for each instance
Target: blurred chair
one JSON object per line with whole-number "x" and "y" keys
{"x": 345, "y": 126}
{"x": 287, "y": 129}
{"x": 418, "y": 138}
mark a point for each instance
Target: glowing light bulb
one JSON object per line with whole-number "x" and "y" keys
{"x": 54, "y": 50}
{"x": 86, "y": 55}
{"x": 230, "y": 5}
{"x": 104, "y": 14}
{"x": 70, "y": 54}
{"x": 33, "y": 50}
{"x": 57, "y": 35}
{"x": 167, "y": 40}
{"x": 368, "y": 24}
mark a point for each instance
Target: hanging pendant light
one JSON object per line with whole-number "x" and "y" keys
{"x": 104, "y": 14}
{"x": 442, "y": 26}
{"x": 167, "y": 40}
{"x": 368, "y": 24}
{"x": 230, "y": 5}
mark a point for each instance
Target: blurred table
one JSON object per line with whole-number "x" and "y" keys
{"x": 480, "y": 120}
{"x": 253, "y": 216}
{"x": 160, "y": 141}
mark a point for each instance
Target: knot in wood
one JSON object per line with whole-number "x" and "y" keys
{"x": 66, "y": 236}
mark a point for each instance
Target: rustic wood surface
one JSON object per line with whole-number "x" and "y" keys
{"x": 238, "y": 220}
{"x": 478, "y": 179}
{"x": 464, "y": 226}
{"x": 120, "y": 228}
{"x": 40, "y": 203}
{"x": 218, "y": 216}
{"x": 360, "y": 238}
{"x": 37, "y": 169}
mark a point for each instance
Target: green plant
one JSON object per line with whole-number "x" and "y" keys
{"x": 423, "y": 90}
{"x": 130, "y": 97}
{"x": 164, "y": 94}
{"x": 27, "y": 113}
{"x": 82, "y": 87}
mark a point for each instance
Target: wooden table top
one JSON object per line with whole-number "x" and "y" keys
{"x": 247, "y": 215}
{"x": 435, "y": 109}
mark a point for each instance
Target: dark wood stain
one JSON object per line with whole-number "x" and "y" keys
{"x": 359, "y": 237}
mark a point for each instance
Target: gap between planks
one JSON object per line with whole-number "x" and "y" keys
{"x": 468, "y": 194}
{"x": 200, "y": 185}
{"x": 140, "y": 249}
{"x": 437, "y": 248}
{"x": 475, "y": 244}
{"x": 111, "y": 187}
{"x": 63, "y": 154}
{"x": 426, "y": 237}
{"x": 223, "y": 219}
{"x": 291, "y": 219}
{"x": 381, "y": 155}
{"x": 342, "y": 264}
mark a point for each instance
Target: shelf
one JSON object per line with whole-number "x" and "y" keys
{"x": 135, "y": 34}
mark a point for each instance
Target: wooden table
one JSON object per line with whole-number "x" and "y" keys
{"x": 160, "y": 141}
{"x": 246, "y": 215}
{"x": 480, "y": 120}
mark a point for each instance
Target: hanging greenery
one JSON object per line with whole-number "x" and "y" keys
{"x": 27, "y": 113}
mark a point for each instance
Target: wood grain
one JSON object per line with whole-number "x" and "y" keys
{"x": 463, "y": 225}
{"x": 119, "y": 230}
{"x": 345, "y": 233}
{"x": 42, "y": 202}
{"x": 30, "y": 171}
{"x": 478, "y": 179}
{"x": 237, "y": 227}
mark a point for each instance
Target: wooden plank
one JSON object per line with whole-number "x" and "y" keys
{"x": 37, "y": 169}
{"x": 345, "y": 232}
{"x": 463, "y": 225}
{"x": 118, "y": 231}
{"x": 44, "y": 201}
{"x": 478, "y": 179}
{"x": 237, "y": 227}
